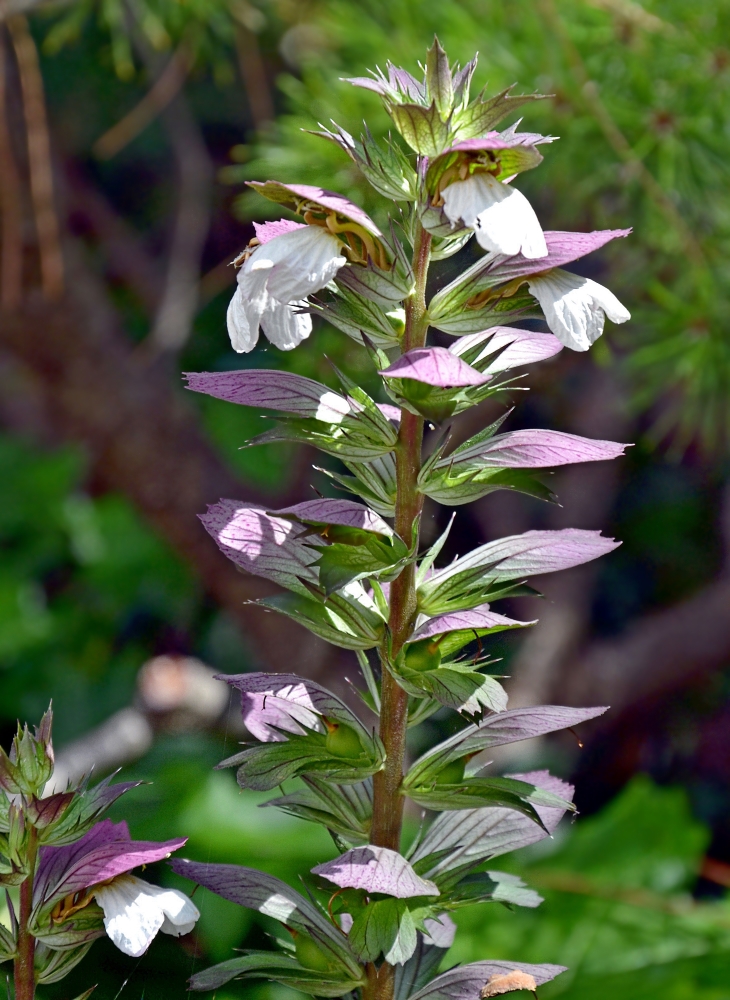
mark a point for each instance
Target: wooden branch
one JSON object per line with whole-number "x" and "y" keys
{"x": 11, "y": 200}
{"x": 253, "y": 73}
{"x": 662, "y": 652}
{"x": 179, "y": 303}
{"x": 39, "y": 157}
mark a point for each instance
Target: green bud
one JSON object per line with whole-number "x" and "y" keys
{"x": 30, "y": 763}
{"x": 342, "y": 740}
{"x": 397, "y": 319}
{"x": 453, "y": 773}
{"x": 311, "y": 955}
{"x": 423, "y": 655}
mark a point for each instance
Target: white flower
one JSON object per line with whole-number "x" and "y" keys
{"x": 501, "y": 216}
{"x": 275, "y": 281}
{"x": 575, "y": 308}
{"x": 134, "y": 911}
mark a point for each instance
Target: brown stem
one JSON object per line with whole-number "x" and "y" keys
{"x": 11, "y": 269}
{"x": 39, "y": 157}
{"x": 24, "y": 969}
{"x": 253, "y": 74}
{"x": 387, "y": 800}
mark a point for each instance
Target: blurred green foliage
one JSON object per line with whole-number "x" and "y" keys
{"x": 640, "y": 105}
{"x": 84, "y": 587}
{"x": 617, "y": 907}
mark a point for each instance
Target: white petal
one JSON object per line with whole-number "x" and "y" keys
{"x": 284, "y": 327}
{"x": 253, "y": 280}
{"x": 504, "y": 220}
{"x": 243, "y": 323}
{"x": 181, "y": 914}
{"x": 575, "y": 307}
{"x": 604, "y": 297}
{"x": 303, "y": 261}
{"x": 464, "y": 200}
{"x": 132, "y": 916}
{"x": 134, "y": 911}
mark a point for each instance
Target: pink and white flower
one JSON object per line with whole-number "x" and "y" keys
{"x": 291, "y": 262}
{"x": 502, "y": 218}
{"x": 134, "y": 912}
{"x": 97, "y": 868}
{"x": 575, "y": 308}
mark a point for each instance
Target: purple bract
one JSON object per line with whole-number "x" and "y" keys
{"x": 271, "y": 702}
{"x": 292, "y": 195}
{"x": 376, "y": 869}
{"x": 435, "y": 366}
{"x": 105, "y": 851}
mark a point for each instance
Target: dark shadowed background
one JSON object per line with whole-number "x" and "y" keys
{"x": 127, "y": 129}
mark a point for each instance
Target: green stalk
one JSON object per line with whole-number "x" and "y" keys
{"x": 387, "y": 800}
{"x": 24, "y": 965}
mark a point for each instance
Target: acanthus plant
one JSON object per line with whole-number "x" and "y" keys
{"x": 376, "y": 919}
{"x": 72, "y": 870}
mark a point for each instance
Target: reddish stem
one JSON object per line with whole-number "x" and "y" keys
{"x": 387, "y": 800}
{"x": 24, "y": 966}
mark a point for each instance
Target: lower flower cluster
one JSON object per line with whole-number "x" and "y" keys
{"x": 74, "y": 870}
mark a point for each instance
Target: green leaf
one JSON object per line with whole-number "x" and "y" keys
{"x": 422, "y": 128}
{"x": 56, "y": 965}
{"x": 7, "y": 944}
{"x": 266, "y": 765}
{"x": 386, "y": 287}
{"x": 374, "y": 481}
{"x": 386, "y": 167}
{"x": 340, "y": 564}
{"x": 456, "y": 687}
{"x": 483, "y": 114}
{"x": 471, "y": 316}
{"x": 386, "y": 927}
{"x": 280, "y": 967}
{"x": 344, "y": 809}
{"x": 438, "y": 79}
{"x": 488, "y": 887}
{"x": 473, "y": 793}
{"x": 356, "y": 315}
{"x": 434, "y": 403}
{"x": 355, "y": 443}
{"x": 350, "y": 619}
{"x": 456, "y": 486}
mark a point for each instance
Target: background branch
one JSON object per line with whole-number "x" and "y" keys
{"x": 39, "y": 157}
{"x": 179, "y": 303}
{"x": 11, "y": 198}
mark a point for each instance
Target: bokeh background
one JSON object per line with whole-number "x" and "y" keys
{"x": 127, "y": 130}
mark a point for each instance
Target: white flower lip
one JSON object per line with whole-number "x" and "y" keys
{"x": 503, "y": 219}
{"x": 134, "y": 911}
{"x": 273, "y": 284}
{"x": 575, "y": 308}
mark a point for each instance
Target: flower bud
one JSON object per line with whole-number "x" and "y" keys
{"x": 30, "y": 763}
{"x": 342, "y": 740}
{"x": 423, "y": 655}
{"x": 453, "y": 773}
{"x": 310, "y": 955}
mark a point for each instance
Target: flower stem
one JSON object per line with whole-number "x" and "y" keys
{"x": 24, "y": 967}
{"x": 387, "y": 800}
